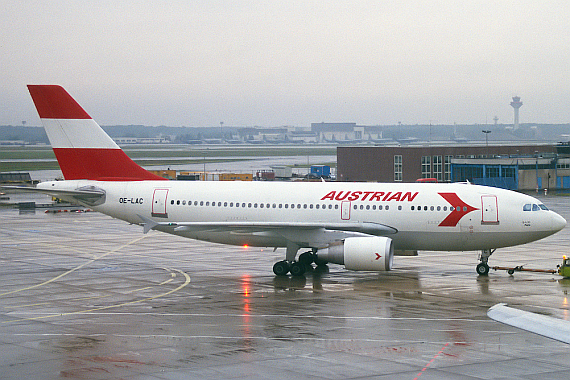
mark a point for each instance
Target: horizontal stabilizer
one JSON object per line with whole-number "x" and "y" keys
{"x": 89, "y": 195}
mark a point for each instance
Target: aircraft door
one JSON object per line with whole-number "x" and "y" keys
{"x": 345, "y": 210}
{"x": 159, "y": 203}
{"x": 489, "y": 209}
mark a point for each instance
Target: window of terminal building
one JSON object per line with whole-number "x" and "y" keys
{"x": 438, "y": 168}
{"x": 398, "y": 168}
{"x": 447, "y": 168}
{"x": 426, "y": 167}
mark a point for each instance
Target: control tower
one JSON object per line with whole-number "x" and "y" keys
{"x": 516, "y": 104}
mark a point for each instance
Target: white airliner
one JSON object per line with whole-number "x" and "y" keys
{"x": 358, "y": 225}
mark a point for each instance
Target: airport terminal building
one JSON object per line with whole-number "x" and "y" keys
{"x": 516, "y": 167}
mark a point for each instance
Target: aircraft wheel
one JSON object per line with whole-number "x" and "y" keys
{"x": 298, "y": 269}
{"x": 320, "y": 262}
{"x": 307, "y": 258}
{"x": 322, "y": 268}
{"x": 482, "y": 269}
{"x": 281, "y": 268}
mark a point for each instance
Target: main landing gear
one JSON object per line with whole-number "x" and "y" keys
{"x": 297, "y": 268}
{"x": 483, "y": 266}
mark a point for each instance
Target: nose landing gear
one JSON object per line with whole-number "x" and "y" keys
{"x": 483, "y": 266}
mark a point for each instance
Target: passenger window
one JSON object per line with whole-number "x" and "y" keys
{"x": 412, "y": 208}
{"x": 380, "y": 207}
{"x": 231, "y": 204}
{"x": 286, "y": 205}
{"x": 172, "y": 202}
{"x": 527, "y": 207}
{"x": 400, "y": 208}
{"x": 387, "y": 207}
{"x": 431, "y": 208}
{"x": 317, "y": 206}
{"x": 260, "y": 205}
{"x": 438, "y": 208}
{"x": 336, "y": 207}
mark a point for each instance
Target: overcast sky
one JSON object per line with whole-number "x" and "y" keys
{"x": 274, "y": 63}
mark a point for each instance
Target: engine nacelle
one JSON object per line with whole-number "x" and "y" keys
{"x": 373, "y": 253}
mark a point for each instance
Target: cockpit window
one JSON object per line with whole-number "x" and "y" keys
{"x": 534, "y": 207}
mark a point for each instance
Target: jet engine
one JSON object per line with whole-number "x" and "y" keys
{"x": 373, "y": 253}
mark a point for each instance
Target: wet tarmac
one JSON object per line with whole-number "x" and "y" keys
{"x": 83, "y": 296}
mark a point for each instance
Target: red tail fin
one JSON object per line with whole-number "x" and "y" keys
{"x": 82, "y": 148}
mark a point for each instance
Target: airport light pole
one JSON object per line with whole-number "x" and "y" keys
{"x": 486, "y": 132}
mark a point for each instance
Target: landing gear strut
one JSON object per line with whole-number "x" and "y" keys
{"x": 483, "y": 266}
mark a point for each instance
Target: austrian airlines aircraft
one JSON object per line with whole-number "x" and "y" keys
{"x": 358, "y": 225}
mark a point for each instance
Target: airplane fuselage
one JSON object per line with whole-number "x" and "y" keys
{"x": 423, "y": 216}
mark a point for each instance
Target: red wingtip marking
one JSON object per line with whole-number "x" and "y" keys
{"x": 53, "y": 102}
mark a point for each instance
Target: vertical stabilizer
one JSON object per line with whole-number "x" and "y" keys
{"x": 82, "y": 148}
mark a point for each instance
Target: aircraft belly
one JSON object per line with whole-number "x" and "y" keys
{"x": 454, "y": 241}
{"x": 225, "y": 237}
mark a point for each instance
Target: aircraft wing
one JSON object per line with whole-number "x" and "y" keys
{"x": 544, "y": 325}
{"x": 316, "y": 233}
{"x": 89, "y": 195}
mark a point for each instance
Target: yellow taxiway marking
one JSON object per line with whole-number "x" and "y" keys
{"x": 74, "y": 269}
{"x": 186, "y": 282}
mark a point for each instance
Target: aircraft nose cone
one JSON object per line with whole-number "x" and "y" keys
{"x": 558, "y": 222}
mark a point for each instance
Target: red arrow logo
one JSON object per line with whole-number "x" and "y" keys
{"x": 378, "y": 256}
{"x": 458, "y": 211}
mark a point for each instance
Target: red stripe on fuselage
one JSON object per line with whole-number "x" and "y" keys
{"x": 100, "y": 164}
{"x": 53, "y": 102}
